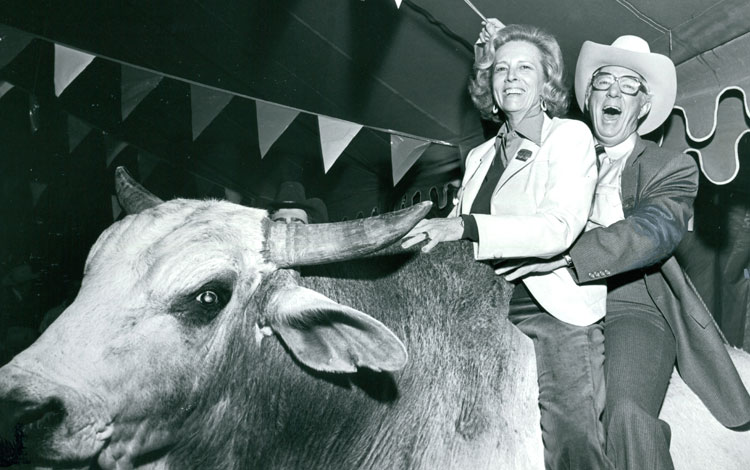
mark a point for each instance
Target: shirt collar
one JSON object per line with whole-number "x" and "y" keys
{"x": 529, "y": 128}
{"x": 623, "y": 149}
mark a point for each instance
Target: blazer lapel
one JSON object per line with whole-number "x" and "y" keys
{"x": 475, "y": 174}
{"x": 630, "y": 177}
{"x": 516, "y": 164}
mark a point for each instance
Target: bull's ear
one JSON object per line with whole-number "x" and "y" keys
{"x": 330, "y": 337}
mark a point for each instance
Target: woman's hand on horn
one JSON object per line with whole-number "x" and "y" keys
{"x": 434, "y": 231}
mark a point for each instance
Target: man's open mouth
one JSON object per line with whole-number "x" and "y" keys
{"x": 612, "y": 111}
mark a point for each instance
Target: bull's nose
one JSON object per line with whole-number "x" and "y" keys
{"x": 28, "y": 415}
{"x": 25, "y": 413}
{"x": 24, "y": 424}
{"x": 10, "y": 450}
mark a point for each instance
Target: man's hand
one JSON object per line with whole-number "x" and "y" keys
{"x": 513, "y": 270}
{"x": 434, "y": 231}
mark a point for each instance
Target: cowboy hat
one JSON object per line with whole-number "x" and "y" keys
{"x": 631, "y": 52}
{"x": 291, "y": 195}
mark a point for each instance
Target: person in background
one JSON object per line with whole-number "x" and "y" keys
{"x": 291, "y": 206}
{"x": 527, "y": 193}
{"x": 644, "y": 200}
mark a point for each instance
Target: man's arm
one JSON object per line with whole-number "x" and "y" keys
{"x": 650, "y": 233}
{"x": 647, "y": 236}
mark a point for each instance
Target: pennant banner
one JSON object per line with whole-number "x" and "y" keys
{"x": 398, "y": 4}
{"x": 5, "y": 87}
{"x": 13, "y": 43}
{"x": 77, "y": 131}
{"x": 68, "y": 65}
{"x": 335, "y": 135}
{"x": 206, "y": 105}
{"x": 135, "y": 85}
{"x": 273, "y": 120}
{"x": 405, "y": 151}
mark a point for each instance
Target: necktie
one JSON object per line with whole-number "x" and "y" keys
{"x": 601, "y": 156}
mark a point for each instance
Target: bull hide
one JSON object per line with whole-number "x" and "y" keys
{"x": 146, "y": 370}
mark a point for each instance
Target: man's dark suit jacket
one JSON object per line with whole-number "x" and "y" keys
{"x": 658, "y": 189}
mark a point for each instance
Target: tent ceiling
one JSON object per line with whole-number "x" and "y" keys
{"x": 362, "y": 61}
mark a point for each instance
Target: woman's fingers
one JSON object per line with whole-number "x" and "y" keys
{"x": 410, "y": 240}
{"x": 429, "y": 246}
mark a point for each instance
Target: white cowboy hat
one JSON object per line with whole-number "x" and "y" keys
{"x": 631, "y": 52}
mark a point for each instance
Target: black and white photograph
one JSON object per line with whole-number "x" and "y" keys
{"x": 375, "y": 235}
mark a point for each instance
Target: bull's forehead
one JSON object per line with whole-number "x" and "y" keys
{"x": 184, "y": 238}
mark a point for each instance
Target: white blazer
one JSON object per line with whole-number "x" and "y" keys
{"x": 539, "y": 207}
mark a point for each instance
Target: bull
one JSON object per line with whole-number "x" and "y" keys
{"x": 192, "y": 344}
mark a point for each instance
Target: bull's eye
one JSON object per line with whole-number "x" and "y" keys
{"x": 203, "y": 304}
{"x": 208, "y": 298}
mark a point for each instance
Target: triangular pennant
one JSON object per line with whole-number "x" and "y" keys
{"x": 273, "y": 120}
{"x": 404, "y": 152}
{"x": 77, "y": 131}
{"x": 335, "y": 135}
{"x": 116, "y": 209}
{"x": 5, "y": 87}
{"x": 232, "y": 196}
{"x": 36, "y": 191}
{"x": 13, "y": 43}
{"x": 146, "y": 165}
{"x": 68, "y": 65}
{"x": 135, "y": 85}
{"x": 112, "y": 148}
{"x": 206, "y": 104}
{"x": 398, "y": 4}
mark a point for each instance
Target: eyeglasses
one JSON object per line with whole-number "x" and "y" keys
{"x": 627, "y": 84}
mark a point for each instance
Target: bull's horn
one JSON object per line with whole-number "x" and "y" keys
{"x": 133, "y": 197}
{"x": 298, "y": 244}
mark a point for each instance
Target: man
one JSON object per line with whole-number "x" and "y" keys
{"x": 291, "y": 206}
{"x": 642, "y": 205}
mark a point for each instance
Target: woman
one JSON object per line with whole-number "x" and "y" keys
{"x": 527, "y": 193}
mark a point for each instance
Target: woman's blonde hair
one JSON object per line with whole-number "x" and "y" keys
{"x": 554, "y": 93}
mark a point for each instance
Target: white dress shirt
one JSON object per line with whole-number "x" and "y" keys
{"x": 607, "y": 207}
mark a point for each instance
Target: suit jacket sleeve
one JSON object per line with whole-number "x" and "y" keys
{"x": 651, "y": 231}
{"x": 562, "y": 209}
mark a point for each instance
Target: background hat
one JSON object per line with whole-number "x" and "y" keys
{"x": 631, "y": 52}
{"x": 291, "y": 194}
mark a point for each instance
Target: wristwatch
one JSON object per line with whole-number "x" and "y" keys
{"x": 568, "y": 260}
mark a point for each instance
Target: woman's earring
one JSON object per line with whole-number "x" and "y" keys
{"x": 543, "y": 104}
{"x": 494, "y": 109}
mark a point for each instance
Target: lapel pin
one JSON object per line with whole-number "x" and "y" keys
{"x": 523, "y": 155}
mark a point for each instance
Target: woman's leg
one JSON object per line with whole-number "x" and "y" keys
{"x": 571, "y": 387}
{"x": 640, "y": 354}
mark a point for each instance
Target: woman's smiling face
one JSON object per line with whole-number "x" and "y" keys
{"x": 518, "y": 78}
